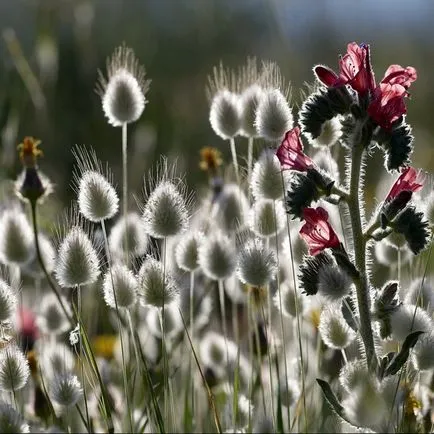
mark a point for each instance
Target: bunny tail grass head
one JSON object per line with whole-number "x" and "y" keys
{"x": 97, "y": 198}
{"x": 14, "y": 369}
{"x": 166, "y": 209}
{"x": 120, "y": 281}
{"x": 123, "y": 92}
{"x": 11, "y": 421}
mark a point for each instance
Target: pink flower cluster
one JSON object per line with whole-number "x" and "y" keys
{"x": 386, "y": 99}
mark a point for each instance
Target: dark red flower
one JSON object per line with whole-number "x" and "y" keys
{"x": 317, "y": 231}
{"x": 387, "y": 104}
{"x": 290, "y": 152}
{"x": 409, "y": 180}
{"x": 27, "y": 328}
{"x": 355, "y": 70}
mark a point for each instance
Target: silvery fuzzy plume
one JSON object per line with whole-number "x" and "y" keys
{"x": 11, "y": 421}
{"x": 14, "y": 369}
{"x": 123, "y": 91}
{"x": 165, "y": 212}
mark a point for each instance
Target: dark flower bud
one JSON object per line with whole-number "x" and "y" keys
{"x": 414, "y": 227}
{"x": 386, "y": 302}
{"x": 392, "y": 208}
{"x": 397, "y": 144}
{"x": 322, "y": 106}
{"x": 309, "y": 271}
{"x": 304, "y": 188}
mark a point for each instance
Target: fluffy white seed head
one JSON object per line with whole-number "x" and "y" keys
{"x": 273, "y": 116}
{"x": 387, "y": 254}
{"x": 331, "y": 131}
{"x": 242, "y": 415}
{"x": 119, "y": 281}
{"x": 326, "y": 162}
{"x": 225, "y": 114}
{"x": 423, "y": 352}
{"x": 266, "y": 180}
{"x": 48, "y": 254}
{"x": 353, "y": 374}
{"x": 97, "y": 198}
{"x": 172, "y": 322}
{"x": 8, "y": 301}
{"x": 128, "y": 232}
{"x": 409, "y": 318}
{"x": 421, "y": 292}
{"x": 249, "y": 102}
{"x": 51, "y": 318}
{"x": 289, "y": 391}
{"x": 55, "y": 359}
{"x": 156, "y": 288}
{"x": 165, "y": 214}
{"x": 334, "y": 330}
{"x": 231, "y": 208}
{"x": 77, "y": 262}
{"x": 14, "y": 369}
{"x": 186, "y": 251}
{"x": 267, "y": 218}
{"x": 216, "y": 255}
{"x": 256, "y": 265}
{"x": 365, "y": 406}
{"x": 11, "y": 422}
{"x": 333, "y": 283}
{"x": 65, "y": 389}
{"x": 287, "y": 299}
{"x": 16, "y": 238}
{"x": 123, "y": 92}
{"x": 212, "y": 351}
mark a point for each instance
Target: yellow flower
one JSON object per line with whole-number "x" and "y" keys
{"x": 210, "y": 159}
{"x": 29, "y": 151}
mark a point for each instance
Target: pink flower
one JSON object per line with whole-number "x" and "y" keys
{"x": 290, "y": 152}
{"x": 387, "y": 104}
{"x": 317, "y": 231}
{"x": 355, "y": 70}
{"x": 407, "y": 181}
{"x": 396, "y": 74}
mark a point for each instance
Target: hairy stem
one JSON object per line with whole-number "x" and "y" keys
{"x": 361, "y": 283}
{"x": 125, "y": 182}
{"x": 235, "y": 159}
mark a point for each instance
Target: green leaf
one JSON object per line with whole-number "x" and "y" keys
{"x": 398, "y": 361}
{"x": 332, "y": 400}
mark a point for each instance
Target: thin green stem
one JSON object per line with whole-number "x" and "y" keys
{"x": 125, "y": 182}
{"x": 234, "y": 159}
{"x": 41, "y": 262}
{"x": 361, "y": 283}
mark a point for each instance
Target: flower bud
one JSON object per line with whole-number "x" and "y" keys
{"x": 266, "y": 180}
{"x": 77, "y": 262}
{"x": 120, "y": 281}
{"x": 11, "y": 421}
{"x": 231, "y": 208}
{"x": 309, "y": 271}
{"x": 65, "y": 389}
{"x": 225, "y": 114}
{"x": 16, "y": 238}
{"x": 407, "y": 319}
{"x": 334, "y": 330}
{"x": 249, "y": 101}
{"x": 156, "y": 287}
{"x": 256, "y": 264}
{"x": 216, "y": 255}
{"x": 14, "y": 369}
{"x": 165, "y": 213}
{"x": 273, "y": 116}
{"x": 267, "y": 218}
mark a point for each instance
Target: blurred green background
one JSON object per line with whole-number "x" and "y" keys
{"x": 65, "y": 42}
